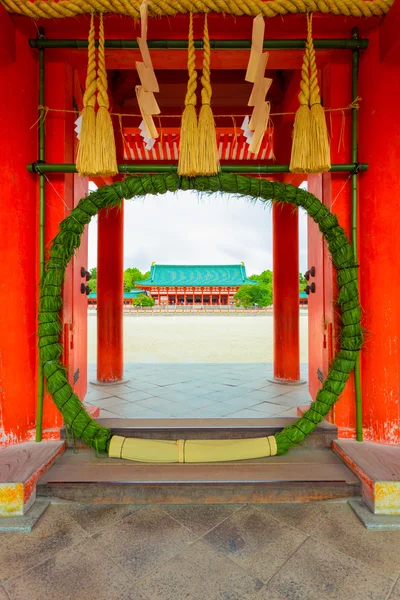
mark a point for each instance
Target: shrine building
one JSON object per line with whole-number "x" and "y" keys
{"x": 241, "y": 98}
{"x": 195, "y": 284}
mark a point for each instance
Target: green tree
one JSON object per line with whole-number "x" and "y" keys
{"x": 131, "y": 275}
{"x": 92, "y": 283}
{"x": 143, "y": 300}
{"x": 249, "y": 295}
{"x": 303, "y": 282}
{"x": 264, "y": 277}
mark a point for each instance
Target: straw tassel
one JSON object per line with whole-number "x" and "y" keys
{"x": 106, "y": 160}
{"x": 300, "y": 158}
{"x": 86, "y": 158}
{"x": 320, "y": 156}
{"x": 188, "y": 146}
{"x": 208, "y": 150}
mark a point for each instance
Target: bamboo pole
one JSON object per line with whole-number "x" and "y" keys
{"x": 40, "y": 384}
{"x": 354, "y": 225}
{"x": 281, "y": 44}
{"x": 172, "y": 168}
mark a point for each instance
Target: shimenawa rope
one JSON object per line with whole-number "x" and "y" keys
{"x": 50, "y": 9}
{"x": 300, "y": 157}
{"x": 208, "y": 151}
{"x": 310, "y": 148}
{"x": 320, "y": 155}
{"x": 106, "y": 160}
{"x": 86, "y": 158}
{"x": 188, "y": 147}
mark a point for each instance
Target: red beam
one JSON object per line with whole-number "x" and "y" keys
{"x": 7, "y": 37}
{"x": 389, "y": 36}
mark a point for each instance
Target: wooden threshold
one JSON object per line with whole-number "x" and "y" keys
{"x": 301, "y": 476}
{"x": 173, "y": 429}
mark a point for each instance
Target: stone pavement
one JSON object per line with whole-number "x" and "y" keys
{"x": 205, "y": 390}
{"x": 264, "y": 552}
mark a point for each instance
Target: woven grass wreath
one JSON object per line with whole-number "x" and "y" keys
{"x": 68, "y": 240}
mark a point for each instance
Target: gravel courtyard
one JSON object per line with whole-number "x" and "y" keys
{"x": 198, "y": 339}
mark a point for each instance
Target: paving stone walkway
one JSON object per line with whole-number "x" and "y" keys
{"x": 273, "y": 552}
{"x": 162, "y": 391}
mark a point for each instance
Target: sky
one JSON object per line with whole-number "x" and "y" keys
{"x": 185, "y": 228}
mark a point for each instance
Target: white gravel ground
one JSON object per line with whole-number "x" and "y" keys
{"x": 198, "y": 339}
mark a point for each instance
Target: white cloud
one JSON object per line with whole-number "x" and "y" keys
{"x": 185, "y": 228}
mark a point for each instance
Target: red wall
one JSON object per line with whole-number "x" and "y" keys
{"x": 379, "y": 240}
{"x": 380, "y": 237}
{"x": 19, "y": 267}
{"x": 18, "y": 225}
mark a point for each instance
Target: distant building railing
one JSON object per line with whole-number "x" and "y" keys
{"x": 197, "y": 310}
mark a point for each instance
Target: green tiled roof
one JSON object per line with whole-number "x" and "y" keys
{"x": 127, "y": 295}
{"x": 196, "y": 275}
{"x": 303, "y": 295}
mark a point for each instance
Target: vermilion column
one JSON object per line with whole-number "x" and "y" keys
{"x": 286, "y": 293}
{"x": 379, "y": 226}
{"x": 110, "y": 294}
{"x": 18, "y": 210}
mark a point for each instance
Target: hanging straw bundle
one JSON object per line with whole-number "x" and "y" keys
{"x": 188, "y": 146}
{"x": 106, "y": 160}
{"x": 310, "y": 147}
{"x": 300, "y": 159}
{"x": 208, "y": 150}
{"x": 320, "y": 156}
{"x": 86, "y": 158}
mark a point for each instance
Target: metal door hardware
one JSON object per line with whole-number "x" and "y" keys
{"x": 309, "y": 273}
{"x": 310, "y": 289}
{"x": 85, "y": 273}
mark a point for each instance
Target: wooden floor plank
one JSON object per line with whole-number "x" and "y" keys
{"x": 73, "y": 469}
{"x": 307, "y": 456}
{"x": 20, "y": 461}
{"x": 378, "y": 461}
{"x": 226, "y": 423}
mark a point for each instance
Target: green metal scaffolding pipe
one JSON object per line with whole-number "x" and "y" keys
{"x": 40, "y": 388}
{"x": 328, "y": 44}
{"x": 354, "y": 224}
{"x": 160, "y": 168}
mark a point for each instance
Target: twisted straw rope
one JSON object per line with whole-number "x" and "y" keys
{"x": 304, "y": 94}
{"x": 102, "y": 84}
{"x": 314, "y": 97}
{"x": 49, "y": 9}
{"x": 89, "y": 97}
{"x": 206, "y": 91}
{"x": 190, "y": 98}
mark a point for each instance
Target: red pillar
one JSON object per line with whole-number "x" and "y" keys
{"x": 18, "y": 234}
{"x": 110, "y": 291}
{"x": 286, "y": 293}
{"x": 379, "y": 220}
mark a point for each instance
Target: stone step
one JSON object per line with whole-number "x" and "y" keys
{"x": 303, "y": 475}
{"x": 174, "y": 429}
{"x": 378, "y": 468}
{"x": 21, "y": 465}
